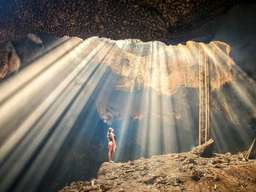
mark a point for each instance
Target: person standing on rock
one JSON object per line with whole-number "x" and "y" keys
{"x": 111, "y": 144}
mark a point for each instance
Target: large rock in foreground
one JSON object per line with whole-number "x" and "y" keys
{"x": 174, "y": 172}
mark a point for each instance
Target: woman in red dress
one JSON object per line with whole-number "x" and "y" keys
{"x": 111, "y": 144}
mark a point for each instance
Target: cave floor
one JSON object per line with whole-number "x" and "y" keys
{"x": 174, "y": 172}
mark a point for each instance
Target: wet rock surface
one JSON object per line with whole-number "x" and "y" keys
{"x": 174, "y": 172}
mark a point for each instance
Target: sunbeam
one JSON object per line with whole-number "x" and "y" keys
{"x": 158, "y": 98}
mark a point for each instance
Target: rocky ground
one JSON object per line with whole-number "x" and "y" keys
{"x": 174, "y": 172}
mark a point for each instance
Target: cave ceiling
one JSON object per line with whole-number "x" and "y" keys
{"x": 147, "y": 20}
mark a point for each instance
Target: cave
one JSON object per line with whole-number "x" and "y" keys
{"x": 125, "y": 95}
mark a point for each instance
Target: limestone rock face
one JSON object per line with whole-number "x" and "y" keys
{"x": 15, "y": 54}
{"x": 174, "y": 172}
{"x": 144, "y": 66}
{"x": 10, "y": 61}
{"x": 165, "y": 68}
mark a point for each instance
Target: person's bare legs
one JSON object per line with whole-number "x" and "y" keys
{"x": 110, "y": 152}
{"x": 109, "y": 156}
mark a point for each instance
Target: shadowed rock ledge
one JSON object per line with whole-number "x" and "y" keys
{"x": 174, "y": 172}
